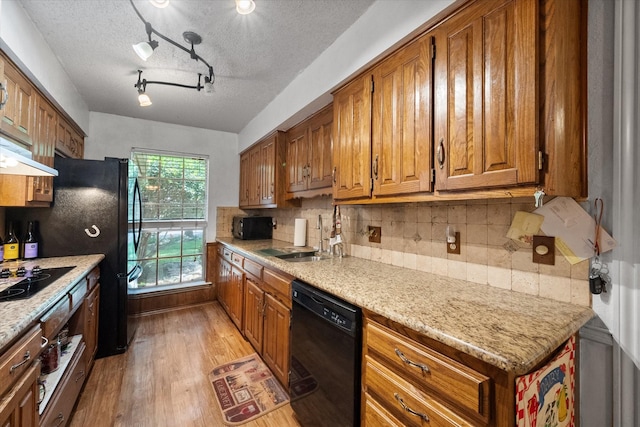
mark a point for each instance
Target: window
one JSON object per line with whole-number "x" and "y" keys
{"x": 173, "y": 193}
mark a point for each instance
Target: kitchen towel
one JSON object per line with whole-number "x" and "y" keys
{"x": 300, "y": 232}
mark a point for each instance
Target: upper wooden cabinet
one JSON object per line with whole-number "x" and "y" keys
{"x": 69, "y": 142}
{"x": 486, "y": 96}
{"x": 262, "y": 173}
{"x": 352, "y": 139}
{"x": 19, "y": 111}
{"x": 309, "y": 163}
{"x": 402, "y": 120}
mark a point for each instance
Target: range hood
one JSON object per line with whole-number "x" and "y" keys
{"x": 15, "y": 160}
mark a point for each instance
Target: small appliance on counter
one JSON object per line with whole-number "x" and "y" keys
{"x": 252, "y": 227}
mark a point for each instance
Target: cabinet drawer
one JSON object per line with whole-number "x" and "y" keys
{"x": 54, "y": 318}
{"x": 77, "y": 294}
{"x": 59, "y": 409}
{"x": 92, "y": 278}
{"x": 404, "y": 401}
{"x": 237, "y": 259}
{"x": 15, "y": 361}
{"x": 450, "y": 379}
{"x": 227, "y": 254}
{"x": 376, "y": 416}
{"x": 281, "y": 286}
{"x": 253, "y": 268}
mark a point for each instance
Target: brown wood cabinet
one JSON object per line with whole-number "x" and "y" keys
{"x": 309, "y": 163}
{"x": 402, "y": 120}
{"x": 91, "y": 316}
{"x": 19, "y": 407}
{"x": 18, "y": 121}
{"x": 235, "y": 296}
{"x": 487, "y": 92}
{"x": 69, "y": 142}
{"x": 265, "y": 311}
{"x": 262, "y": 173}
{"x": 352, "y": 139}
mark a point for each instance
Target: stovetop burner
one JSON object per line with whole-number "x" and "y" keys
{"x": 32, "y": 282}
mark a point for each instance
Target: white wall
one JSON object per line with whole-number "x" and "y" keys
{"x": 114, "y": 136}
{"x": 24, "y": 44}
{"x": 383, "y": 25}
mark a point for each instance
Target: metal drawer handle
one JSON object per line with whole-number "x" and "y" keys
{"x": 424, "y": 417}
{"x": 80, "y": 375}
{"x": 425, "y": 369}
{"x": 60, "y": 419}
{"x": 45, "y": 341}
{"x": 25, "y": 359}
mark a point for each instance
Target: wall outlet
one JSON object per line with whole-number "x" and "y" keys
{"x": 454, "y": 247}
{"x": 375, "y": 234}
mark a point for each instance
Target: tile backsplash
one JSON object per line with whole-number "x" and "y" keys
{"x": 414, "y": 237}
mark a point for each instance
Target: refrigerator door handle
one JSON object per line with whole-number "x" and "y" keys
{"x": 137, "y": 197}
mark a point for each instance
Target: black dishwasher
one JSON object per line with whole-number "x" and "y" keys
{"x": 326, "y": 342}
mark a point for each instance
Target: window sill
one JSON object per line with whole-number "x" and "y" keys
{"x": 169, "y": 288}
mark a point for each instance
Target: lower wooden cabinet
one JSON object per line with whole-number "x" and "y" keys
{"x": 275, "y": 349}
{"x": 254, "y": 311}
{"x": 19, "y": 407}
{"x": 91, "y": 311}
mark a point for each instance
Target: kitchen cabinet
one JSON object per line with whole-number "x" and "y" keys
{"x": 231, "y": 285}
{"x": 402, "y": 120}
{"x": 19, "y": 407}
{"x": 262, "y": 174}
{"x": 18, "y": 121}
{"x": 409, "y": 378}
{"x": 309, "y": 163}
{"x": 91, "y": 322}
{"x": 265, "y": 309}
{"x": 486, "y": 103}
{"x": 40, "y": 188}
{"x": 69, "y": 141}
{"x": 352, "y": 139}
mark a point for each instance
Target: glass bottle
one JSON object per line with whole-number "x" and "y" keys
{"x": 30, "y": 245}
{"x": 1, "y": 249}
{"x": 11, "y": 244}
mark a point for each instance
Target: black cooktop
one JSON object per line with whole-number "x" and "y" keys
{"x": 32, "y": 284}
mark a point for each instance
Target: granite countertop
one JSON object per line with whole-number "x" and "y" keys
{"x": 16, "y": 316}
{"x": 507, "y": 329}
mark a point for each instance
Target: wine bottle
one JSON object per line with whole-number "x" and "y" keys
{"x": 11, "y": 245}
{"x": 1, "y": 249}
{"x": 30, "y": 245}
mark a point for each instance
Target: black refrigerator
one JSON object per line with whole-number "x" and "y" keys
{"x": 89, "y": 215}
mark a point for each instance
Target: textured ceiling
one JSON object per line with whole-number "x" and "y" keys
{"x": 254, "y": 56}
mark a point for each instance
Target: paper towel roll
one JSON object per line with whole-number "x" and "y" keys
{"x": 300, "y": 232}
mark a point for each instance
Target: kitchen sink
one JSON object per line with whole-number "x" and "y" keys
{"x": 305, "y": 257}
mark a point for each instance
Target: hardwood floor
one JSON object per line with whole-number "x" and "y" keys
{"x": 162, "y": 379}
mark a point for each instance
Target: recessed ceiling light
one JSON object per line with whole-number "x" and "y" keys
{"x": 160, "y": 3}
{"x": 245, "y": 7}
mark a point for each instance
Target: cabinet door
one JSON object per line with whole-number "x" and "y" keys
{"x": 319, "y": 165}
{"x": 267, "y": 172}
{"x": 401, "y": 136}
{"x": 297, "y": 168}
{"x": 236, "y": 296}
{"x": 255, "y": 176}
{"x": 19, "y": 407}
{"x": 486, "y": 96}
{"x": 245, "y": 170}
{"x": 352, "y": 140}
{"x": 275, "y": 349}
{"x": 253, "y": 313}
{"x": 92, "y": 308}
{"x": 223, "y": 283}
{"x": 19, "y": 112}
{"x": 44, "y": 145}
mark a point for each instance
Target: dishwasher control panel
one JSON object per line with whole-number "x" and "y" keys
{"x": 336, "y": 318}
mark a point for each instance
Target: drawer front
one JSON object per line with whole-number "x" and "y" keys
{"x": 254, "y": 268}
{"x": 281, "y": 286}
{"x": 423, "y": 366}
{"x": 15, "y": 361}
{"x": 405, "y": 402}
{"x": 54, "y": 318}
{"x": 77, "y": 295}
{"x": 92, "y": 278}
{"x": 58, "y": 412}
{"x": 376, "y": 416}
{"x": 237, "y": 259}
{"x": 227, "y": 254}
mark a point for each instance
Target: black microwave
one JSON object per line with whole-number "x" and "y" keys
{"x": 252, "y": 227}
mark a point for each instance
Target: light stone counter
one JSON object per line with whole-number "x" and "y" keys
{"x": 17, "y": 316}
{"x": 510, "y": 330}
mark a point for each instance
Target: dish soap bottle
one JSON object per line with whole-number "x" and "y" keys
{"x": 30, "y": 245}
{"x": 11, "y": 245}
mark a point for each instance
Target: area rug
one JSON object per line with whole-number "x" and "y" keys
{"x": 302, "y": 382}
{"x": 245, "y": 389}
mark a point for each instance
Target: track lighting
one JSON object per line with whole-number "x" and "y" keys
{"x": 145, "y": 49}
{"x": 245, "y": 7}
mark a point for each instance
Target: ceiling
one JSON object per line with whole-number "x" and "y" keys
{"x": 254, "y": 57}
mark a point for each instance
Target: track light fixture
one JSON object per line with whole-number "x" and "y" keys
{"x": 145, "y": 50}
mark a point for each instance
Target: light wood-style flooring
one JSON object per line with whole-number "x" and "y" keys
{"x": 162, "y": 379}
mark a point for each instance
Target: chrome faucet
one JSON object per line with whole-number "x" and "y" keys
{"x": 319, "y": 227}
